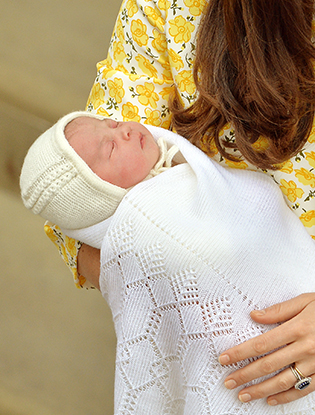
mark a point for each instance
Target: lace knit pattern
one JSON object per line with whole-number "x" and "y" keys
{"x": 181, "y": 271}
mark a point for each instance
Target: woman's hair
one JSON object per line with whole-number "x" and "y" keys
{"x": 253, "y": 69}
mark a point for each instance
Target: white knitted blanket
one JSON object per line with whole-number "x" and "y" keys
{"x": 186, "y": 257}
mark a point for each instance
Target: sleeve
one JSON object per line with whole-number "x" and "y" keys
{"x": 151, "y": 50}
{"x": 68, "y": 249}
{"x": 296, "y": 179}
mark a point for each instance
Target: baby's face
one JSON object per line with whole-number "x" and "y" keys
{"x": 122, "y": 153}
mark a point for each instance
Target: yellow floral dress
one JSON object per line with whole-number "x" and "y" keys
{"x": 152, "y": 48}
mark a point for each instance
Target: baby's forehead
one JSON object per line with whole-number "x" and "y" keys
{"x": 76, "y": 125}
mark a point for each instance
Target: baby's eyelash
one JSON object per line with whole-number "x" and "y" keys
{"x": 112, "y": 148}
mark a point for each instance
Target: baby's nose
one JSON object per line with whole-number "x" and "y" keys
{"x": 124, "y": 132}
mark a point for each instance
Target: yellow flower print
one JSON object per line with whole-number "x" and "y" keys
{"x": 310, "y": 157}
{"x": 166, "y": 123}
{"x": 308, "y": 218}
{"x": 146, "y": 66}
{"x": 236, "y": 164}
{"x": 175, "y": 60}
{"x": 164, "y": 5}
{"x": 64, "y": 253}
{"x": 180, "y": 29}
{"x": 105, "y": 63}
{"x": 153, "y": 117}
{"x": 311, "y": 138}
{"x": 101, "y": 111}
{"x": 106, "y": 67}
{"x": 167, "y": 74}
{"x": 158, "y": 81}
{"x": 82, "y": 281}
{"x": 185, "y": 82}
{"x": 147, "y": 96}
{"x": 119, "y": 52}
{"x": 132, "y": 7}
{"x": 120, "y": 30}
{"x": 225, "y": 130}
{"x": 132, "y": 76}
{"x": 116, "y": 89}
{"x": 287, "y": 167}
{"x": 79, "y": 280}
{"x": 210, "y": 151}
{"x": 166, "y": 91}
{"x": 155, "y": 17}
{"x": 159, "y": 43}
{"x": 122, "y": 69}
{"x": 130, "y": 112}
{"x": 51, "y": 234}
{"x": 306, "y": 177}
{"x": 139, "y": 32}
{"x": 195, "y": 6}
{"x": 290, "y": 190}
{"x": 261, "y": 144}
{"x": 71, "y": 246}
{"x": 97, "y": 95}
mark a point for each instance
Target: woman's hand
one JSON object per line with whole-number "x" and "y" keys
{"x": 89, "y": 264}
{"x": 297, "y": 335}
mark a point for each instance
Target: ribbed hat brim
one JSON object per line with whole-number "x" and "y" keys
{"x": 58, "y": 185}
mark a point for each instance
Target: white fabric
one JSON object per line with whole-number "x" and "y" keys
{"x": 59, "y": 186}
{"x": 186, "y": 257}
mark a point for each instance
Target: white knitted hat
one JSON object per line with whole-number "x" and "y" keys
{"x": 59, "y": 186}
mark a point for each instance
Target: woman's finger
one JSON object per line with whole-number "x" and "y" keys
{"x": 300, "y": 327}
{"x": 268, "y": 365}
{"x": 274, "y": 385}
{"x": 283, "y": 311}
{"x": 260, "y": 345}
{"x": 291, "y": 394}
{"x": 279, "y": 387}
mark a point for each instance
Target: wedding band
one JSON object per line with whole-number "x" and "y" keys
{"x": 302, "y": 381}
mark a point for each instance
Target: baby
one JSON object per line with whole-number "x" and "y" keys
{"x": 77, "y": 172}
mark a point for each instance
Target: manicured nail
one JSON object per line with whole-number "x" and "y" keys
{"x": 224, "y": 359}
{"x": 245, "y": 397}
{"x": 272, "y": 402}
{"x": 230, "y": 384}
{"x": 259, "y": 313}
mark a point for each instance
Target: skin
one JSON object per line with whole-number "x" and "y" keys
{"x": 122, "y": 153}
{"x": 89, "y": 264}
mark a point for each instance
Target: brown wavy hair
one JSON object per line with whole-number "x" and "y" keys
{"x": 253, "y": 69}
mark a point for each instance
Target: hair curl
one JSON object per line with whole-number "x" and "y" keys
{"x": 253, "y": 69}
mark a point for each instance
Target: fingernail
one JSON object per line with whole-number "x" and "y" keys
{"x": 259, "y": 313}
{"x": 245, "y": 397}
{"x": 272, "y": 402}
{"x": 224, "y": 359}
{"x": 230, "y": 384}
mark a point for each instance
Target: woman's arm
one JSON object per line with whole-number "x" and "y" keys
{"x": 89, "y": 264}
{"x": 296, "y": 340}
